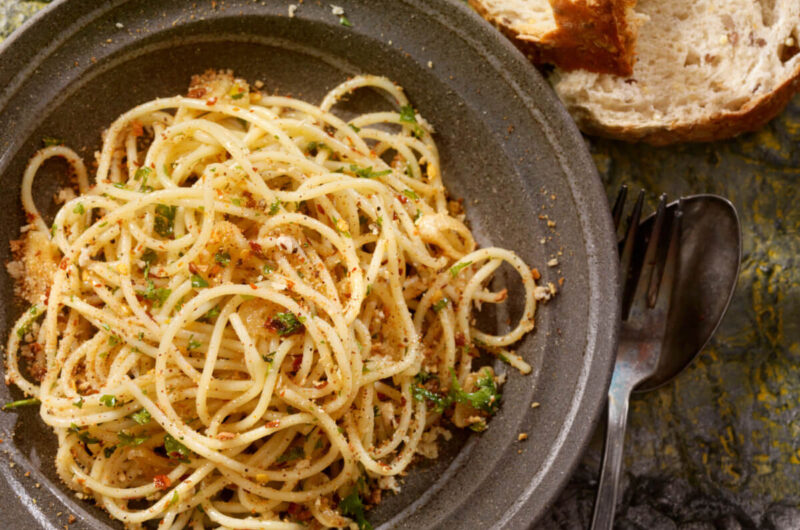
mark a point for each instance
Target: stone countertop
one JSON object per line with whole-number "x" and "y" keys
{"x": 719, "y": 448}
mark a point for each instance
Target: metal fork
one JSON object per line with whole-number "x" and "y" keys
{"x": 647, "y": 290}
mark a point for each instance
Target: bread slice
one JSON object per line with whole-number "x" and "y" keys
{"x": 596, "y": 35}
{"x": 705, "y": 70}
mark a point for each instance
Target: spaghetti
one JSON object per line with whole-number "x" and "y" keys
{"x": 260, "y": 312}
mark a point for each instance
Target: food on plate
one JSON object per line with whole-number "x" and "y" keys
{"x": 260, "y": 313}
{"x": 596, "y": 35}
{"x": 704, "y": 70}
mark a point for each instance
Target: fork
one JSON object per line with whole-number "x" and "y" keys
{"x": 646, "y": 288}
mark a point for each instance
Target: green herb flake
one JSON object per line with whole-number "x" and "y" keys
{"x": 22, "y": 403}
{"x": 83, "y": 435}
{"x": 142, "y": 174}
{"x": 238, "y": 95}
{"x": 156, "y": 295}
{"x": 356, "y": 129}
{"x": 411, "y": 194}
{"x": 50, "y": 141}
{"x": 176, "y": 450}
{"x": 108, "y": 451}
{"x": 485, "y": 397}
{"x": 266, "y": 269}
{"x": 79, "y": 403}
{"x": 440, "y": 304}
{"x": 120, "y": 185}
{"x": 286, "y": 323}
{"x": 367, "y": 173}
{"x": 175, "y": 497}
{"x": 294, "y": 453}
{"x": 27, "y": 326}
{"x": 344, "y": 21}
{"x": 408, "y": 115}
{"x": 142, "y": 417}
{"x": 198, "y": 281}
{"x": 194, "y": 344}
{"x": 109, "y": 400}
{"x": 458, "y": 267}
{"x": 79, "y": 209}
{"x": 352, "y": 506}
{"x": 212, "y": 313}
{"x": 164, "y": 224}
{"x": 130, "y": 439}
{"x": 275, "y": 207}
{"x": 223, "y": 258}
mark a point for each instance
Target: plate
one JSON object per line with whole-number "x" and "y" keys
{"x": 507, "y": 147}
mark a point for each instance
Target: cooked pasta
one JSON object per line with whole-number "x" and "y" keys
{"x": 259, "y": 313}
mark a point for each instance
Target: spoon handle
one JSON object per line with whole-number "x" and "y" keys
{"x": 606, "y": 502}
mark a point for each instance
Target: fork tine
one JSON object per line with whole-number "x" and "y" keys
{"x": 626, "y": 256}
{"x": 619, "y": 205}
{"x": 649, "y": 265}
{"x": 660, "y": 297}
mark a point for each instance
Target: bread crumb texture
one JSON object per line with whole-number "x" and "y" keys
{"x": 705, "y": 70}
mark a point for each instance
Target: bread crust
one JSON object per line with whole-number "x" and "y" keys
{"x": 594, "y": 36}
{"x": 752, "y": 116}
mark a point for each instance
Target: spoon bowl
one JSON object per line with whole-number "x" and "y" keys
{"x": 708, "y": 268}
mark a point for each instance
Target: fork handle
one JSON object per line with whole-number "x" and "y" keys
{"x": 605, "y": 504}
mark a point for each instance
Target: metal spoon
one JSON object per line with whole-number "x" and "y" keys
{"x": 710, "y": 254}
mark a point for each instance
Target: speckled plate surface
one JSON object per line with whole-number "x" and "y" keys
{"x": 507, "y": 146}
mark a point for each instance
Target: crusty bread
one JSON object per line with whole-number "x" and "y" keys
{"x": 596, "y": 35}
{"x": 705, "y": 70}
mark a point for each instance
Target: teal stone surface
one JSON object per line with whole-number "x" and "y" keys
{"x": 719, "y": 447}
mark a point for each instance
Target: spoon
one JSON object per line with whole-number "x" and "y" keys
{"x": 708, "y": 267}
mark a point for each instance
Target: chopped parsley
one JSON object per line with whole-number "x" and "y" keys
{"x": 408, "y": 115}
{"x": 458, "y": 267}
{"x": 108, "y": 400}
{"x": 275, "y": 207}
{"x": 27, "y": 326}
{"x": 286, "y": 323}
{"x": 355, "y": 128}
{"x": 79, "y": 209}
{"x": 411, "y": 194}
{"x": 108, "y": 451}
{"x": 176, "y": 450}
{"x": 50, "y": 141}
{"x": 194, "y": 344}
{"x": 142, "y": 173}
{"x": 148, "y": 256}
{"x": 78, "y": 403}
{"x": 141, "y": 417}
{"x": 83, "y": 435}
{"x": 440, "y": 401}
{"x": 485, "y": 397}
{"x": 130, "y": 439}
{"x": 293, "y": 454}
{"x": 164, "y": 224}
{"x": 22, "y": 403}
{"x": 212, "y": 313}
{"x": 223, "y": 258}
{"x": 367, "y": 173}
{"x": 352, "y": 506}
{"x": 198, "y": 281}
{"x": 266, "y": 269}
{"x": 440, "y": 304}
{"x": 157, "y": 295}
{"x": 344, "y": 21}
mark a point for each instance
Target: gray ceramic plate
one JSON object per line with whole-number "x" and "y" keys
{"x": 507, "y": 146}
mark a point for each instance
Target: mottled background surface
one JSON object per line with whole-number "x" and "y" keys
{"x": 719, "y": 448}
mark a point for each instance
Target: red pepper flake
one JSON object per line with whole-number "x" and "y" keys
{"x": 382, "y": 396}
{"x": 402, "y": 198}
{"x": 162, "y": 482}
{"x": 535, "y": 274}
{"x": 63, "y": 264}
{"x": 320, "y": 209}
{"x": 136, "y": 128}
{"x": 561, "y": 281}
{"x": 193, "y": 268}
{"x": 256, "y": 248}
{"x": 211, "y": 101}
{"x": 274, "y": 424}
{"x": 460, "y": 340}
{"x": 298, "y": 360}
{"x": 253, "y": 286}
